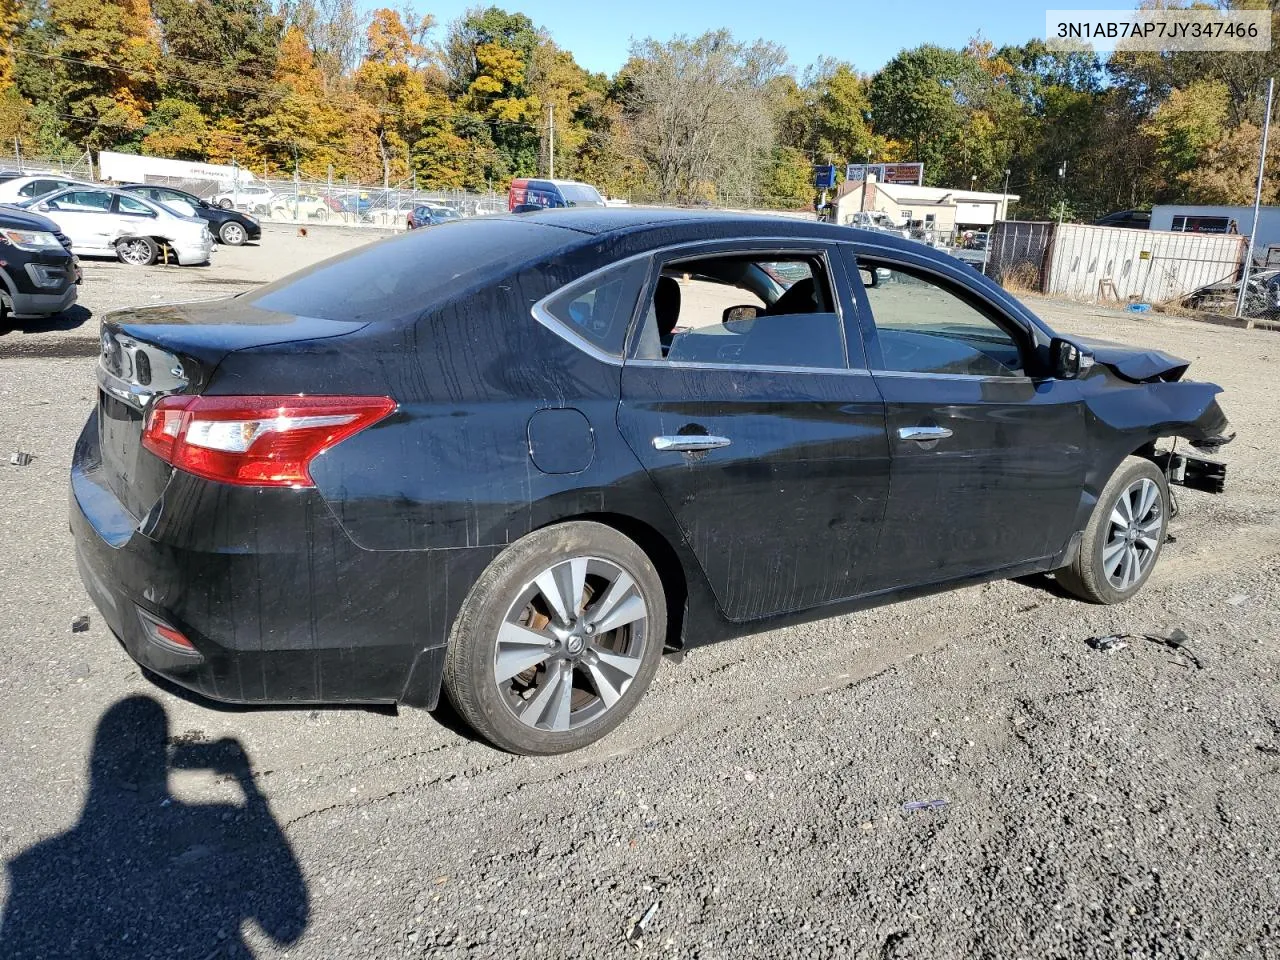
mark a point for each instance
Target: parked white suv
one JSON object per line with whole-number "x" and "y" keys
{"x": 104, "y": 222}
{"x": 254, "y": 197}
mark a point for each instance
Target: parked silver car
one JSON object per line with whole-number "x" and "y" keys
{"x": 105, "y": 222}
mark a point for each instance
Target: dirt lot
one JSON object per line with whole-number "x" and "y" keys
{"x": 1117, "y": 804}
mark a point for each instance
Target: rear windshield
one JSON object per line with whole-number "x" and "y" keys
{"x": 403, "y": 276}
{"x": 581, "y": 194}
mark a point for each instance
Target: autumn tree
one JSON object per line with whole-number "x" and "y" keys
{"x": 488, "y": 60}
{"x": 104, "y": 55}
{"x": 392, "y": 80}
{"x": 221, "y": 55}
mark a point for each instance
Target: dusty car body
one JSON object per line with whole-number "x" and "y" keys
{"x": 515, "y": 400}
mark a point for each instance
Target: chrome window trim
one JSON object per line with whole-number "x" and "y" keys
{"x": 1017, "y": 378}
{"x": 751, "y": 367}
{"x": 568, "y": 334}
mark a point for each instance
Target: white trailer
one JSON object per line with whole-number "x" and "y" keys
{"x": 1195, "y": 218}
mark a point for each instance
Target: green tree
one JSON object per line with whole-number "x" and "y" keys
{"x": 916, "y": 99}
{"x": 221, "y": 55}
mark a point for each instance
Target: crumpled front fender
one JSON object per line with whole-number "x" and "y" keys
{"x": 1147, "y": 411}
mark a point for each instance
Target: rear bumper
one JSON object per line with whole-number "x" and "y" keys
{"x": 279, "y": 603}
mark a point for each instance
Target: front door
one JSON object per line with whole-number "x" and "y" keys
{"x": 746, "y": 399}
{"x": 988, "y": 457}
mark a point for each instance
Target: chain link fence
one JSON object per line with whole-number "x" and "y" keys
{"x": 18, "y": 162}
{"x": 304, "y": 201}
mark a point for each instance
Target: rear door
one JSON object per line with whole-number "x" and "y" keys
{"x": 765, "y": 436}
{"x": 988, "y": 455}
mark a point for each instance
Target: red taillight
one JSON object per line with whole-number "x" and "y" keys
{"x": 255, "y": 441}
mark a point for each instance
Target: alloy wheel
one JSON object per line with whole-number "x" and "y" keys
{"x": 136, "y": 252}
{"x": 1133, "y": 535}
{"x": 571, "y": 643}
{"x": 233, "y": 234}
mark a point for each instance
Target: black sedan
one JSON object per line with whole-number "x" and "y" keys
{"x": 517, "y": 458}
{"x": 228, "y": 226}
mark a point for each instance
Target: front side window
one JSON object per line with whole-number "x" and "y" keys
{"x": 576, "y": 194}
{"x": 599, "y": 309}
{"x": 771, "y": 310}
{"x": 922, "y": 326}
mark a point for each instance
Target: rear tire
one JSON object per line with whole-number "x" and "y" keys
{"x": 1124, "y": 537}
{"x": 225, "y": 203}
{"x": 138, "y": 251}
{"x": 558, "y": 639}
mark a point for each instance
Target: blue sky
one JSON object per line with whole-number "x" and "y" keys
{"x": 865, "y": 33}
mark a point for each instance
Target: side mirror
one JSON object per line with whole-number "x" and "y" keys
{"x": 870, "y": 278}
{"x": 744, "y": 311}
{"x": 1068, "y": 361}
{"x": 43, "y": 207}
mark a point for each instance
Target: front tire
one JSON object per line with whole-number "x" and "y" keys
{"x": 137, "y": 251}
{"x": 1124, "y": 537}
{"x": 232, "y": 234}
{"x": 558, "y": 639}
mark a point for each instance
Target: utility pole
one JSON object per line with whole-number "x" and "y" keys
{"x": 1257, "y": 200}
{"x": 1004, "y": 202}
{"x": 1062, "y": 186}
{"x": 551, "y": 138}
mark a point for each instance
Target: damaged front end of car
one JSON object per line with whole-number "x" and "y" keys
{"x": 1140, "y": 397}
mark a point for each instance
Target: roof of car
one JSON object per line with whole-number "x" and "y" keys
{"x": 728, "y": 224}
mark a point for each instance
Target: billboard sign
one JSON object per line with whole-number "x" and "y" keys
{"x": 907, "y": 174}
{"x": 824, "y": 175}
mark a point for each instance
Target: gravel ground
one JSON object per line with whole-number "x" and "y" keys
{"x": 1118, "y": 804}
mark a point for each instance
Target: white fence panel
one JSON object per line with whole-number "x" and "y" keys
{"x": 1113, "y": 263}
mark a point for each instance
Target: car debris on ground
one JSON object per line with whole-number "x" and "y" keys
{"x": 915, "y": 806}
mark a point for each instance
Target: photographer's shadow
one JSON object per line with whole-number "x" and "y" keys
{"x": 144, "y": 874}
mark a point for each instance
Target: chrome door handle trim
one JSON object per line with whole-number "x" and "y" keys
{"x": 690, "y": 443}
{"x": 923, "y": 434}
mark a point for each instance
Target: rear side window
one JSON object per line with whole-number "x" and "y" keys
{"x": 407, "y": 275}
{"x": 598, "y": 308}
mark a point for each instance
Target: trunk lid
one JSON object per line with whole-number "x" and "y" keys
{"x": 151, "y": 352}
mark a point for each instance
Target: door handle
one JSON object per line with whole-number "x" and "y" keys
{"x": 690, "y": 443}
{"x": 923, "y": 434}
